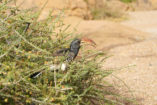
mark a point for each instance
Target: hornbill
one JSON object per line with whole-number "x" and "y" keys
{"x": 70, "y": 53}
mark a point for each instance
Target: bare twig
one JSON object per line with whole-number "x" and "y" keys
{"x": 55, "y": 79}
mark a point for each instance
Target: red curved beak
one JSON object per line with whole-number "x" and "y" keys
{"x": 88, "y": 42}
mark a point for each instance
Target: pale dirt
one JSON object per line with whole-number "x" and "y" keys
{"x": 141, "y": 79}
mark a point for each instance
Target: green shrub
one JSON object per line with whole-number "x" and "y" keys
{"x": 101, "y": 10}
{"x": 127, "y": 1}
{"x": 26, "y": 47}
{"x": 103, "y": 13}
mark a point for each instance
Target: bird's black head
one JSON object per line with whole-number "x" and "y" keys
{"x": 74, "y": 49}
{"x": 75, "y": 44}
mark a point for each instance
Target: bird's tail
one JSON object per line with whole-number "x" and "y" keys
{"x": 62, "y": 67}
{"x": 36, "y": 74}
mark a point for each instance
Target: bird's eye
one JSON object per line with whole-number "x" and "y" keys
{"x": 78, "y": 42}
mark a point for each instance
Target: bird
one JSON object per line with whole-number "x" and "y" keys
{"x": 70, "y": 54}
{"x": 72, "y": 51}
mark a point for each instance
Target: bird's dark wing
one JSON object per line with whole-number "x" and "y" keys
{"x": 61, "y": 52}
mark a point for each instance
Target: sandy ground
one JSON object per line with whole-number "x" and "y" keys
{"x": 141, "y": 79}
{"x": 145, "y": 21}
{"x": 132, "y": 43}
